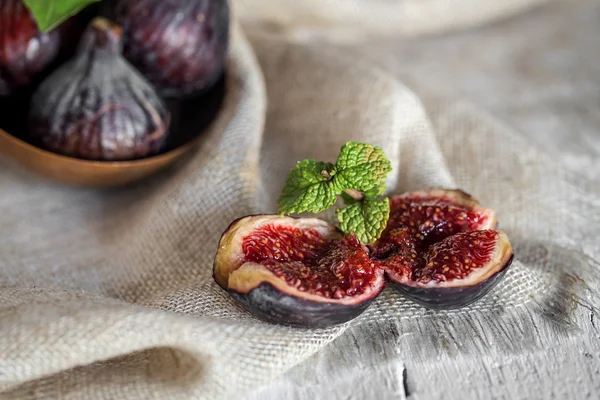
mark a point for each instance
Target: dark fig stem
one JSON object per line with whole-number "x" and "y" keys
{"x": 102, "y": 36}
{"x": 355, "y": 194}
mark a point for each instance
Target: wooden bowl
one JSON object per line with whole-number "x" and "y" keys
{"x": 99, "y": 174}
{"x": 78, "y": 172}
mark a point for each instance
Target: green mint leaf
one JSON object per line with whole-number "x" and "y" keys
{"x": 48, "y": 14}
{"x": 365, "y": 219}
{"x": 376, "y": 191}
{"x": 307, "y": 190}
{"x": 361, "y": 167}
{"x": 373, "y": 192}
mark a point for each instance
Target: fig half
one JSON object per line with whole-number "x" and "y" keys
{"x": 296, "y": 271}
{"x": 441, "y": 248}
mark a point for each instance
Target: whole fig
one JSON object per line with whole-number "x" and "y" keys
{"x": 179, "y": 45}
{"x": 97, "y": 106}
{"x": 25, "y": 52}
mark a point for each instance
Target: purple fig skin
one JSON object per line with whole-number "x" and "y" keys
{"x": 452, "y": 297}
{"x": 97, "y": 106}
{"x": 25, "y": 52}
{"x": 277, "y": 307}
{"x": 180, "y": 46}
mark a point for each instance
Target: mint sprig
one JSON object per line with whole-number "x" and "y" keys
{"x": 358, "y": 177}
{"x": 48, "y": 14}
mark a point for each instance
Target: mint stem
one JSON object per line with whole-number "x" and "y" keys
{"x": 355, "y": 194}
{"x": 325, "y": 174}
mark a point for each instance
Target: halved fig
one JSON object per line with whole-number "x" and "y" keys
{"x": 441, "y": 248}
{"x": 296, "y": 271}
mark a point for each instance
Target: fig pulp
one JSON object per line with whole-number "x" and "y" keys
{"x": 179, "y": 45}
{"x": 25, "y": 52}
{"x": 97, "y": 106}
{"x": 441, "y": 248}
{"x": 296, "y": 271}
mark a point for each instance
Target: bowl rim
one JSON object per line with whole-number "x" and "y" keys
{"x": 96, "y": 163}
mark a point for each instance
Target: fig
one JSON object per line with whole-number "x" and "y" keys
{"x": 25, "y": 52}
{"x": 296, "y": 271}
{"x": 97, "y": 106}
{"x": 441, "y": 248}
{"x": 179, "y": 45}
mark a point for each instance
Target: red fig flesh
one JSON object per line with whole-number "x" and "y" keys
{"x": 296, "y": 271}
{"x": 441, "y": 248}
{"x": 429, "y": 216}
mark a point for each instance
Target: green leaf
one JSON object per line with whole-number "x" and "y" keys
{"x": 51, "y": 13}
{"x": 366, "y": 219}
{"x": 376, "y": 191}
{"x": 307, "y": 190}
{"x": 373, "y": 192}
{"x": 361, "y": 166}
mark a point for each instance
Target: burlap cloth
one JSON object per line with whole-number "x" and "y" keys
{"x": 109, "y": 294}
